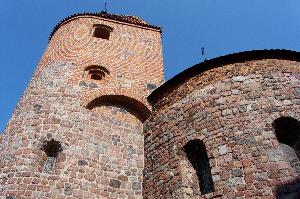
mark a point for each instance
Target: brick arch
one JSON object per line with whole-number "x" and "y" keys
{"x": 90, "y": 95}
{"x": 132, "y": 105}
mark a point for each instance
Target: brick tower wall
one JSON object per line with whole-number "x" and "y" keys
{"x": 231, "y": 109}
{"x": 97, "y": 123}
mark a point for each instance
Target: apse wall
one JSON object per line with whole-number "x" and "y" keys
{"x": 213, "y": 132}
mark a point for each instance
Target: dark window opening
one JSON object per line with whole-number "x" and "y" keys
{"x": 52, "y": 149}
{"x": 102, "y": 31}
{"x": 96, "y": 72}
{"x": 96, "y": 77}
{"x": 287, "y": 131}
{"x": 197, "y": 155}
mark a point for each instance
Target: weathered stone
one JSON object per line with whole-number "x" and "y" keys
{"x": 93, "y": 85}
{"x": 114, "y": 183}
{"x": 261, "y": 176}
{"x": 239, "y": 78}
{"x": 83, "y": 83}
{"x": 68, "y": 189}
{"x": 131, "y": 151}
{"x": 82, "y": 163}
{"x": 275, "y": 155}
{"x": 151, "y": 86}
{"x": 49, "y": 165}
{"x": 115, "y": 139}
{"x": 37, "y": 107}
{"x": 136, "y": 186}
{"x": 271, "y": 109}
{"x": 123, "y": 177}
{"x": 90, "y": 177}
{"x": 223, "y": 149}
{"x": 237, "y": 173}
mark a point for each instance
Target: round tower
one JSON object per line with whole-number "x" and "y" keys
{"x": 77, "y": 130}
{"x": 227, "y": 128}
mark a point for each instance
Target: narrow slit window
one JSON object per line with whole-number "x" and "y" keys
{"x": 102, "y": 31}
{"x": 196, "y": 153}
{"x": 52, "y": 149}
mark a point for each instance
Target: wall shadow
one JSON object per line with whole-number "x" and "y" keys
{"x": 289, "y": 190}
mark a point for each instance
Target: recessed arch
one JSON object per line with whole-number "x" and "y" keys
{"x": 51, "y": 148}
{"x": 96, "y": 72}
{"x": 132, "y": 105}
{"x": 287, "y": 130}
{"x": 196, "y": 153}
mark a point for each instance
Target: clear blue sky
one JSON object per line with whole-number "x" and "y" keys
{"x": 221, "y": 26}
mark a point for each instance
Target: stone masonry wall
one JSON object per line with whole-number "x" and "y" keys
{"x": 102, "y": 147}
{"x": 231, "y": 109}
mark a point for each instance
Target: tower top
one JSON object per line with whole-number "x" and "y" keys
{"x": 103, "y": 14}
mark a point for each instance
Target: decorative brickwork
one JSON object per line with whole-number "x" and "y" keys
{"x": 230, "y": 108}
{"x": 94, "y": 113}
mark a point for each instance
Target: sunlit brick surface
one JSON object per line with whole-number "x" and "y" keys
{"x": 231, "y": 108}
{"x": 102, "y": 147}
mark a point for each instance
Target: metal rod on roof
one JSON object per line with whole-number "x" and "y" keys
{"x": 105, "y": 6}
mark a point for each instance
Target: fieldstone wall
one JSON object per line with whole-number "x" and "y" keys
{"x": 102, "y": 147}
{"x": 231, "y": 109}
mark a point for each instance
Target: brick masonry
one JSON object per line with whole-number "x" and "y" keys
{"x": 102, "y": 146}
{"x": 107, "y": 146}
{"x": 231, "y": 109}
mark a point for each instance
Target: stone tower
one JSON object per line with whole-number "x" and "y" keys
{"x": 77, "y": 130}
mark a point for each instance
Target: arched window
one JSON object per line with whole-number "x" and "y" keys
{"x": 51, "y": 148}
{"x": 196, "y": 153}
{"x": 287, "y": 131}
{"x": 96, "y": 72}
{"x": 102, "y": 31}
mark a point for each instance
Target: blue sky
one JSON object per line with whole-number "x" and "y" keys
{"x": 222, "y": 27}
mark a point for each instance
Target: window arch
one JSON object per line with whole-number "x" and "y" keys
{"x": 133, "y": 106}
{"x": 287, "y": 131}
{"x": 102, "y": 31}
{"x": 52, "y": 148}
{"x": 196, "y": 153}
{"x": 96, "y": 72}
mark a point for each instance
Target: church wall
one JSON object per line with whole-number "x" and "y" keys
{"x": 231, "y": 109}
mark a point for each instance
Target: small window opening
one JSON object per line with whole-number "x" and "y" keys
{"x": 287, "y": 131}
{"x": 197, "y": 155}
{"x": 96, "y": 77}
{"x": 52, "y": 149}
{"x": 96, "y": 72}
{"x": 102, "y": 31}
